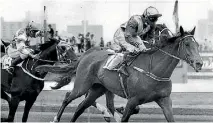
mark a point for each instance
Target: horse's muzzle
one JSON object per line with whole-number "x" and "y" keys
{"x": 197, "y": 65}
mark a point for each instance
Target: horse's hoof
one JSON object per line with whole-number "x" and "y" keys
{"x": 107, "y": 119}
{"x": 4, "y": 120}
{"x": 55, "y": 120}
{"x": 117, "y": 117}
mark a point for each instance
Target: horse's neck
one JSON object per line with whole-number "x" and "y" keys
{"x": 30, "y": 64}
{"x": 159, "y": 63}
{"x": 165, "y": 64}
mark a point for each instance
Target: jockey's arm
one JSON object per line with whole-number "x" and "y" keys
{"x": 22, "y": 48}
{"x": 131, "y": 35}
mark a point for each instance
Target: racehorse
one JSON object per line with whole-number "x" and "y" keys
{"x": 27, "y": 83}
{"x": 162, "y": 33}
{"x": 170, "y": 42}
{"x": 149, "y": 78}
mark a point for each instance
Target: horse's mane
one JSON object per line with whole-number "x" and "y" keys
{"x": 47, "y": 44}
{"x": 160, "y": 27}
{"x": 48, "y": 47}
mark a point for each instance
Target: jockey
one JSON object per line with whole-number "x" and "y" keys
{"x": 20, "y": 39}
{"x": 128, "y": 36}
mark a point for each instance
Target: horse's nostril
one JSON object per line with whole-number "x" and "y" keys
{"x": 198, "y": 64}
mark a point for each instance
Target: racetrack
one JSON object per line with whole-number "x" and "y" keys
{"x": 66, "y": 117}
{"x": 187, "y": 107}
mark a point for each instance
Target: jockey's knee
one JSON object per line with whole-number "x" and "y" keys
{"x": 24, "y": 56}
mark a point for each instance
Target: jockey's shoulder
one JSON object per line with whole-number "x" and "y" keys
{"x": 20, "y": 31}
{"x": 136, "y": 17}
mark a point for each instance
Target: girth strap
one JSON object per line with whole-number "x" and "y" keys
{"x": 122, "y": 85}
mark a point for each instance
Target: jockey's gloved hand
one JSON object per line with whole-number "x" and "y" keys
{"x": 142, "y": 47}
{"x": 33, "y": 56}
{"x": 145, "y": 50}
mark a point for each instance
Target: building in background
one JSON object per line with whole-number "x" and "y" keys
{"x": 205, "y": 27}
{"x": 210, "y": 25}
{"x": 97, "y": 30}
{"x": 8, "y": 29}
{"x": 205, "y": 33}
{"x": 202, "y": 29}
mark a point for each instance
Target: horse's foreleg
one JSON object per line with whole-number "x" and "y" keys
{"x": 130, "y": 107}
{"x": 28, "y": 105}
{"x": 5, "y": 96}
{"x": 12, "y": 108}
{"x": 95, "y": 92}
{"x": 166, "y": 105}
{"x": 8, "y": 99}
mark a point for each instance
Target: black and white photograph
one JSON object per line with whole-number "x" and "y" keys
{"x": 106, "y": 61}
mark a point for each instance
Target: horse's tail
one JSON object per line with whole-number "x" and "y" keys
{"x": 68, "y": 72}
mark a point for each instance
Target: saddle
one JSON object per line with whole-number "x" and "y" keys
{"x": 117, "y": 59}
{"x": 113, "y": 61}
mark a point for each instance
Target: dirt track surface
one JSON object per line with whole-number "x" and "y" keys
{"x": 188, "y": 107}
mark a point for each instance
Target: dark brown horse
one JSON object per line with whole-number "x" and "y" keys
{"x": 148, "y": 81}
{"x": 24, "y": 86}
{"x": 162, "y": 34}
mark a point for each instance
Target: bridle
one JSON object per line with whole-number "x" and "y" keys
{"x": 52, "y": 61}
{"x": 180, "y": 44}
{"x": 161, "y": 79}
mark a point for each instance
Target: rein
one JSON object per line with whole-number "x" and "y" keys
{"x": 153, "y": 76}
{"x": 33, "y": 76}
{"x": 178, "y": 48}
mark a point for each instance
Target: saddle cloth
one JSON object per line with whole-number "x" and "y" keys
{"x": 113, "y": 61}
{"x": 6, "y": 62}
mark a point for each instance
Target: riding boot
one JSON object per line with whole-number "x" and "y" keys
{"x": 16, "y": 61}
{"x": 122, "y": 69}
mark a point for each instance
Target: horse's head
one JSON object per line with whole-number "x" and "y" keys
{"x": 48, "y": 50}
{"x": 54, "y": 48}
{"x": 67, "y": 51}
{"x": 188, "y": 48}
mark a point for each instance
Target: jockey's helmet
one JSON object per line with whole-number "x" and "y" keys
{"x": 32, "y": 29}
{"x": 151, "y": 14}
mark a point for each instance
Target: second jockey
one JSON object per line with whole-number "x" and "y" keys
{"x": 20, "y": 39}
{"x": 128, "y": 37}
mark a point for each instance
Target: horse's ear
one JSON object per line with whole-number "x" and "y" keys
{"x": 181, "y": 30}
{"x": 193, "y": 31}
